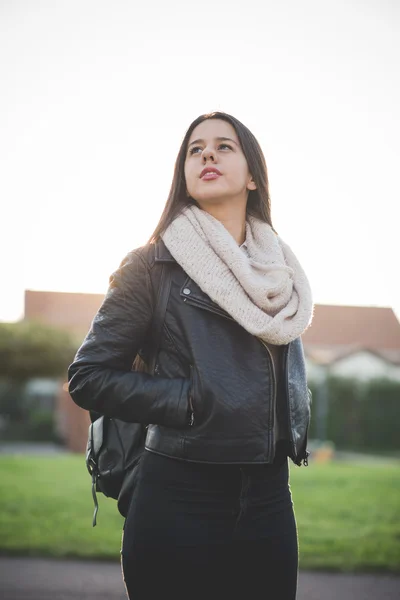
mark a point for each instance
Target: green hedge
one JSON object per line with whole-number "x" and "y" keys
{"x": 358, "y": 415}
{"x": 33, "y": 349}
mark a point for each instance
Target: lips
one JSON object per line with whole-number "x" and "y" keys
{"x": 210, "y": 173}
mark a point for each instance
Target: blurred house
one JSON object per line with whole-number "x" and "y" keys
{"x": 71, "y": 311}
{"x": 361, "y": 342}
{"x": 355, "y": 341}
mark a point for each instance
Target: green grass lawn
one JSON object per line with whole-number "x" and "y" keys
{"x": 348, "y": 515}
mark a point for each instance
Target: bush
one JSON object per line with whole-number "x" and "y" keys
{"x": 358, "y": 415}
{"x": 380, "y": 414}
{"x": 30, "y": 349}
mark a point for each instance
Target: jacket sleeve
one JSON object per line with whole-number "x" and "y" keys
{"x": 100, "y": 377}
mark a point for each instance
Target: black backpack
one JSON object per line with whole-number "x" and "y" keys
{"x": 114, "y": 447}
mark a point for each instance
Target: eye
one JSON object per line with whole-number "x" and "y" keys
{"x": 195, "y": 150}
{"x": 223, "y": 146}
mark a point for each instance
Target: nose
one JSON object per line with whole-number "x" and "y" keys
{"x": 208, "y": 155}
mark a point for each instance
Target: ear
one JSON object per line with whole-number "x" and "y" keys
{"x": 251, "y": 184}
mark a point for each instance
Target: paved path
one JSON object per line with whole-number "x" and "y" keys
{"x": 45, "y": 579}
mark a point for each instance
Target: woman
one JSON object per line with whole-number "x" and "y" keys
{"x": 211, "y": 514}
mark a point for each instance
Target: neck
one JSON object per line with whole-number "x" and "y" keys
{"x": 234, "y": 220}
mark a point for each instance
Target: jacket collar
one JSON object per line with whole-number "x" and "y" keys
{"x": 162, "y": 254}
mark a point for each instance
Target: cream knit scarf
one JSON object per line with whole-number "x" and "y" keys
{"x": 266, "y": 292}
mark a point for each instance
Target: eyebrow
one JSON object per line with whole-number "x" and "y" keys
{"x": 219, "y": 139}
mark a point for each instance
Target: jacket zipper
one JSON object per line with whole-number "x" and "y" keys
{"x": 289, "y": 424}
{"x": 206, "y": 306}
{"x": 286, "y": 371}
{"x": 191, "y": 395}
{"x": 272, "y": 411}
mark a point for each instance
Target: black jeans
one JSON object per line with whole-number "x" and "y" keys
{"x": 210, "y": 531}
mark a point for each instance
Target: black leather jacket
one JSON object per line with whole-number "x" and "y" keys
{"x": 206, "y": 360}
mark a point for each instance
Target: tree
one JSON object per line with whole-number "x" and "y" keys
{"x": 31, "y": 349}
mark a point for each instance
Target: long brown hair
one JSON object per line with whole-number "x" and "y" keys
{"x": 258, "y": 203}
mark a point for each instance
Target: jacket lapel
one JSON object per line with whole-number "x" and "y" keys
{"x": 192, "y": 294}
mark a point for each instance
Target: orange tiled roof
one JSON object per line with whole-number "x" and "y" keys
{"x": 376, "y": 328}
{"x": 337, "y": 331}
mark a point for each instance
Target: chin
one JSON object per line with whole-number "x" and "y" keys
{"x": 210, "y": 199}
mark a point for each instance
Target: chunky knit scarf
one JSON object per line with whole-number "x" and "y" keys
{"x": 265, "y": 291}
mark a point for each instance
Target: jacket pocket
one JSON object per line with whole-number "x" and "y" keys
{"x": 193, "y": 397}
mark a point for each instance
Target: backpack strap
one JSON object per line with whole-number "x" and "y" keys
{"x": 164, "y": 289}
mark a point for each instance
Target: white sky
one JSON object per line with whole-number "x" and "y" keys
{"x": 96, "y": 96}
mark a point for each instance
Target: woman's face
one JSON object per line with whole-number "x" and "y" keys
{"x": 216, "y": 169}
